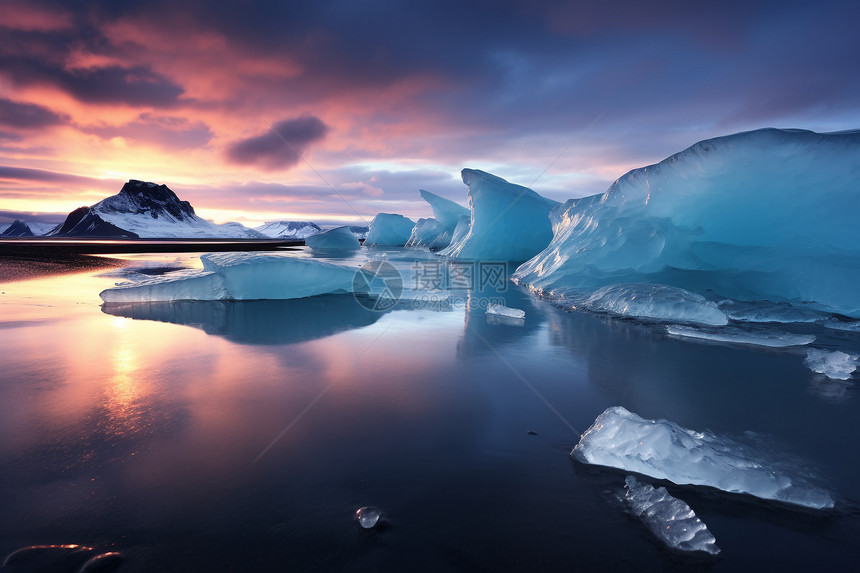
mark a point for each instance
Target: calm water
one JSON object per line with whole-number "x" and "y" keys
{"x": 244, "y": 436}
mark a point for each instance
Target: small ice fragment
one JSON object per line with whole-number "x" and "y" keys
{"x": 368, "y": 516}
{"x": 502, "y": 310}
{"x": 662, "y": 449}
{"x": 769, "y": 338}
{"x": 669, "y": 518}
{"x": 835, "y": 365}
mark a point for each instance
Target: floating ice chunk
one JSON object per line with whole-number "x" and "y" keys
{"x": 768, "y": 312}
{"x": 429, "y": 233}
{"x": 509, "y": 222}
{"x": 445, "y": 211}
{"x": 240, "y": 276}
{"x": 664, "y": 450}
{"x": 502, "y": 310}
{"x": 669, "y": 518}
{"x": 337, "y": 238}
{"x": 847, "y": 326}
{"x": 656, "y": 302}
{"x": 772, "y": 339}
{"x": 389, "y": 229}
{"x": 754, "y": 216}
{"x": 368, "y": 516}
{"x": 836, "y": 365}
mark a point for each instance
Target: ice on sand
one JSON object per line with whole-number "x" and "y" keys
{"x": 662, "y": 449}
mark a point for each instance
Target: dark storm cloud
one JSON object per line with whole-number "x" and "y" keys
{"x": 281, "y": 146}
{"x": 27, "y": 116}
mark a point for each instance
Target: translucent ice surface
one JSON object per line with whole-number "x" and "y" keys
{"x": 389, "y": 229}
{"x": 337, "y": 238}
{"x": 501, "y": 310}
{"x": 770, "y": 338}
{"x": 430, "y": 233}
{"x": 656, "y": 302}
{"x": 836, "y": 365}
{"x": 239, "y": 276}
{"x": 509, "y": 222}
{"x": 445, "y": 211}
{"x": 368, "y": 517}
{"x": 762, "y": 215}
{"x": 664, "y": 450}
{"x": 669, "y": 518}
{"x": 768, "y": 312}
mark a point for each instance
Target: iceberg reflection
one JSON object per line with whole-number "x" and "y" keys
{"x": 259, "y": 321}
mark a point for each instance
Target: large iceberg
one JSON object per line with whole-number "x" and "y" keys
{"x": 239, "y": 276}
{"x": 761, "y": 215}
{"x": 662, "y": 449}
{"x": 669, "y": 518}
{"x": 337, "y": 238}
{"x": 389, "y": 229}
{"x": 445, "y": 211}
{"x": 509, "y": 222}
{"x": 430, "y": 233}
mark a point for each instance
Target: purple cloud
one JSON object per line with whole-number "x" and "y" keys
{"x": 281, "y": 146}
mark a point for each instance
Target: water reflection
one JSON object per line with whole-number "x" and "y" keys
{"x": 257, "y": 322}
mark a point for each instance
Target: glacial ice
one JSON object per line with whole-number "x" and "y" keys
{"x": 761, "y": 215}
{"x": 464, "y": 223}
{"x": 662, "y": 449}
{"x": 669, "y": 519}
{"x": 502, "y": 310}
{"x": 509, "y": 222}
{"x": 836, "y": 365}
{"x": 770, "y": 338}
{"x": 429, "y": 233}
{"x": 239, "y": 276}
{"x": 389, "y": 229}
{"x": 337, "y": 238}
{"x": 656, "y": 302}
{"x": 445, "y": 211}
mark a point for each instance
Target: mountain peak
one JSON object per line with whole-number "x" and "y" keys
{"x": 146, "y": 198}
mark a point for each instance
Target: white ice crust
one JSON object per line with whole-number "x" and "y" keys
{"x": 509, "y": 222}
{"x": 337, "y": 238}
{"x": 662, "y": 449}
{"x": 761, "y": 215}
{"x": 389, "y": 229}
{"x": 239, "y": 276}
{"x": 671, "y": 520}
{"x": 662, "y": 303}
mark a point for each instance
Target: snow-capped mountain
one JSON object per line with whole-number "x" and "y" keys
{"x": 17, "y": 229}
{"x": 289, "y": 229}
{"x": 146, "y": 210}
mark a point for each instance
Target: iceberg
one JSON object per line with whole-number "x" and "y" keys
{"x": 502, "y": 310}
{"x": 445, "y": 211}
{"x": 656, "y": 302}
{"x": 389, "y": 229}
{"x": 761, "y": 215}
{"x": 509, "y": 222}
{"x": 429, "y": 233}
{"x": 836, "y": 365}
{"x": 769, "y": 338}
{"x": 662, "y": 449}
{"x": 239, "y": 276}
{"x": 671, "y": 520}
{"x": 337, "y": 238}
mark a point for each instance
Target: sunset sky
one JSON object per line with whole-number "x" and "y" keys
{"x": 382, "y": 98}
